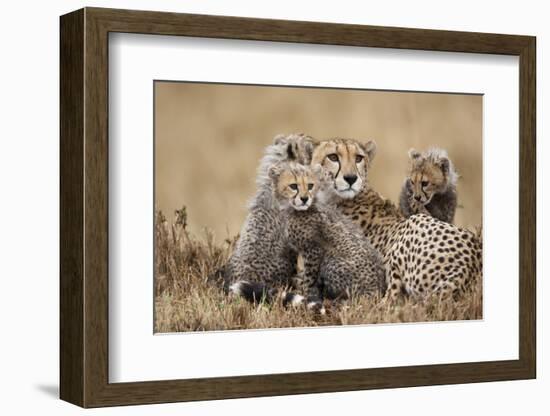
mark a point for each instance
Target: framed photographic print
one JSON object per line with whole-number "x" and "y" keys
{"x": 255, "y": 207}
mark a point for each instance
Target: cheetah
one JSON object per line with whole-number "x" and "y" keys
{"x": 422, "y": 255}
{"x": 261, "y": 258}
{"x": 430, "y": 187}
{"x": 339, "y": 262}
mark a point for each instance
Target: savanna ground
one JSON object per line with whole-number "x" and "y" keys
{"x": 187, "y": 300}
{"x": 208, "y": 141}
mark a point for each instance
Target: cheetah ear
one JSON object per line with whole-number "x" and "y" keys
{"x": 444, "y": 165}
{"x": 275, "y": 171}
{"x": 309, "y": 148}
{"x": 280, "y": 139}
{"x": 293, "y": 151}
{"x": 370, "y": 149}
{"x": 414, "y": 154}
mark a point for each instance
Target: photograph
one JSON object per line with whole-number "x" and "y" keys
{"x": 300, "y": 207}
{"x": 276, "y": 204}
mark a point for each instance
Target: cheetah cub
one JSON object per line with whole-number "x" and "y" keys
{"x": 430, "y": 187}
{"x": 339, "y": 262}
{"x": 262, "y": 260}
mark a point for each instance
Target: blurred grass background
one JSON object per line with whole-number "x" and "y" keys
{"x": 210, "y": 137}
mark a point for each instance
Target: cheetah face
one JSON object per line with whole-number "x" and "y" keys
{"x": 295, "y": 185}
{"x": 347, "y": 162}
{"x": 423, "y": 189}
{"x": 426, "y": 177}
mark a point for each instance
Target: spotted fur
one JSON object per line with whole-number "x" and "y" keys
{"x": 339, "y": 262}
{"x": 261, "y": 258}
{"x": 422, "y": 255}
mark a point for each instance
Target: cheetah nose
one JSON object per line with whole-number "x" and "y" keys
{"x": 350, "y": 179}
{"x": 417, "y": 197}
{"x": 304, "y": 199}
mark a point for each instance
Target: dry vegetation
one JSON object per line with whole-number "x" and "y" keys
{"x": 208, "y": 140}
{"x": 187, "y": 300}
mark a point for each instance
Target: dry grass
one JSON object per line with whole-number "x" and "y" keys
{"x": 185, "y": 299}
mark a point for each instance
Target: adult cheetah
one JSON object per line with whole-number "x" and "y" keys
{"x": 423, "y": 256}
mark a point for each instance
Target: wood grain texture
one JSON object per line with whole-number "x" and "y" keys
{"x": 162, "y": 23}
{"x": 71, "y": 208}
{"x": 84, "y": 207}
{"x": 528, "y": 208}
{"x": 96, "y": 208}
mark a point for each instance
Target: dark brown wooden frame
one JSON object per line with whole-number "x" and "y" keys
{"x": 84, "y": 207}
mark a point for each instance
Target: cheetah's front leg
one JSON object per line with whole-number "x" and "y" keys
{"x": 394, "y": 292}
{"x": 310, "y": 285}
{"x": 396, "y": 286}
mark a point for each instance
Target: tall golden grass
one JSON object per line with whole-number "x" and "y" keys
{"x": 188, "y": 299}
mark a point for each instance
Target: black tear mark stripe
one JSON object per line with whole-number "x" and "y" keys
{"x": 339, "y": 165}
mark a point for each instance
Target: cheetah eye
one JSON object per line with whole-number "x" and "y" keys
{"x": 359, "y": 158}
{"x": 309, "y": 186}
{"x": 424, "y": 184}
{"x": 293, "y": 186}
{"x": 333, "y": 157}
